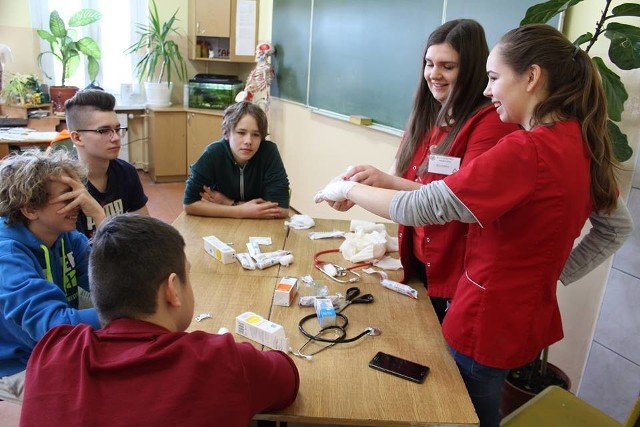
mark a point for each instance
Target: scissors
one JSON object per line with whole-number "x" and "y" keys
{"x": 353, "y": 296}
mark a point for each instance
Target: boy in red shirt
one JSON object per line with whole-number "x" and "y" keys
{"x": 142, "y": 368}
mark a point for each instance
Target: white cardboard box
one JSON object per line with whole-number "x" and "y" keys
{"x": 285, "y": 291}
{"x": 219, "y": 250}
{"x": 261, "y": 330}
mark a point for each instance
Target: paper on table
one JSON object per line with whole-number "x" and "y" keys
{"x": 24, "y": 134}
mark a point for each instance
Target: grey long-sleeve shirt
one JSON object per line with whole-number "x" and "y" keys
{"x": 435, "y": 203}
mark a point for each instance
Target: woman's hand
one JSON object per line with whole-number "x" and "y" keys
{"x": 368, "y": 175}
{"x": 336, "y": 191}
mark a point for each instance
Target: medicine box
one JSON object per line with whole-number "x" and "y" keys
{"x": 213, "y": 91}
{"x": 219, "y": 250}
{"x": 325, "y": 311}
{"x": 261, "y": 330}
{"x": 285, "y": 291}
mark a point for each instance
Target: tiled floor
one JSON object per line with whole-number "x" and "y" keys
{"x": 165, "y": 199}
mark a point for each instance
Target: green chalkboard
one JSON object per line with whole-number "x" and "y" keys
{"x": 291, "y": 31}
{"x": 364, "y": 57}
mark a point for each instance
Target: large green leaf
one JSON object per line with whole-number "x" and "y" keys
{"x": 614, "y": 90}
{"x": 72, "y": 65}
{"x": 89, "y": 47}
{"x": 542, "y": 12}
{"x": 56, "y": 25}
{"x": 626, "y": 9}
{"x": 583, "y": 39}
{"x": 619, "y": 143}
{"x": 46, "y": 35}
{"x": 84, "y": 17}
{"x": 93, "y": 68}
{"x": 624, "y": 50}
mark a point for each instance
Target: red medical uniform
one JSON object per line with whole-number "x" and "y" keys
{"x": 441, "y": 247}
{"x": 531, "y": 197}
{"x": 135, "y": 373}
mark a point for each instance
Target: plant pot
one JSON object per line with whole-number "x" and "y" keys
{"x": 59, "y": 94}
{"x": 514, "y": 395}
{"x": 158, "y": 94}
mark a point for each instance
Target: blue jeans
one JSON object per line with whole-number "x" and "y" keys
{"x": 484, "y": 385}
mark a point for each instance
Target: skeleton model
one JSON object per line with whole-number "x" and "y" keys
{"x": 258, "y": 83}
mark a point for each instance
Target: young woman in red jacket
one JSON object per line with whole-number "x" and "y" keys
{"x": 525, "y": 200}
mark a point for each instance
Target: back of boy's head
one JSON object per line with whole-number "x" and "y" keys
{"x": 235, "y": 112}
{"x": 131, "y": 257}
{"x": 83, "y": 103}
{"x": 24, "y": 178}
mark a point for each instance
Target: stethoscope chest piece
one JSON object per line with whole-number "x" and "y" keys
{"x": 335, "y": 272}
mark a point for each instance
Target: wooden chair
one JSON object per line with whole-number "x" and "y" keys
{"x": 557, "y": 407}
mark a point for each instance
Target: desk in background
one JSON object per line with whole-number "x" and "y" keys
{"x": 337, "y": 386}
{"x": 23, "y": 138}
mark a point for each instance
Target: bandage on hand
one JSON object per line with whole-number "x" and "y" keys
{"x": 336, "y": 191}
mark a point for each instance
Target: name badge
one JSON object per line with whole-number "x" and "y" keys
{"x": 444, "y": 165}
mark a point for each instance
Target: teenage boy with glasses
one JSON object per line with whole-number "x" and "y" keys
{"x": 96, "y": 135}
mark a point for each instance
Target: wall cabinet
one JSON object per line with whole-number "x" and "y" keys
{"x": 202, "y": 129}
{"x": 167, "y": 145}
{"x": 177, "y": 137}
{"x": 211, "y": 18}
{"x": 223, "y": 30}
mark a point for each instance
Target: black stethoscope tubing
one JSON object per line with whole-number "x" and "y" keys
{"x": 342, "y": 329}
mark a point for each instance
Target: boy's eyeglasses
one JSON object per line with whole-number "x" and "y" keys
{"x": 107, "y": 132}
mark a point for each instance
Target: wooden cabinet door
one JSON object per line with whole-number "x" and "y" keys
{"x": 212, "y": 18}
{"x": 202, "y": 129}
{"x": 167, "y": 146}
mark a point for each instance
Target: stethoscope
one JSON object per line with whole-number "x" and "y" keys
{"x": 334, "y": 271}
{"x": 352, "y": 296}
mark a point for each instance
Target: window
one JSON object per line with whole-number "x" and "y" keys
{"x": 114, "y": 32}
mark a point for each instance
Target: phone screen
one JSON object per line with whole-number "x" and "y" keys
{"x": 399, "y": 367}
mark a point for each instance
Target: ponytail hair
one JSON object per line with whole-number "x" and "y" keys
{"x": 575, "y": 92}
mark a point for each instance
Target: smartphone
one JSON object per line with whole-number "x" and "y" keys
{"x": 399, "y": 367}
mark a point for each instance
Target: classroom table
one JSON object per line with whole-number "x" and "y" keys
{"x": 20, "y": 136}
{"x": 5, "y": 143}
{"x": 336, "y": 385}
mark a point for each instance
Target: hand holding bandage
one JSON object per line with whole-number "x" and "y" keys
{"x": 336, "y": 191}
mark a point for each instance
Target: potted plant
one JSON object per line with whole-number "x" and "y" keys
{"x": 21, "y": 89}
{"x": 624, "y": 53}
{"x": 67, "y": 48}
{"x": 161, "y": 60}
{"x": 523, "y": 383}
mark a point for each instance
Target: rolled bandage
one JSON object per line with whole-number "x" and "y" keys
{"x": 246, "y": 261}
{"x": 267, "y": 259}
{"x": 286, "y": 260}
{"x": 400, "y": 288}
{"x": 335, "y": 191}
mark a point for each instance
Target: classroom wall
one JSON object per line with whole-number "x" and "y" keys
{"x": 316, "y": 148}
{"x": 16, "y": 32}
{"x": 610, "y": 378}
